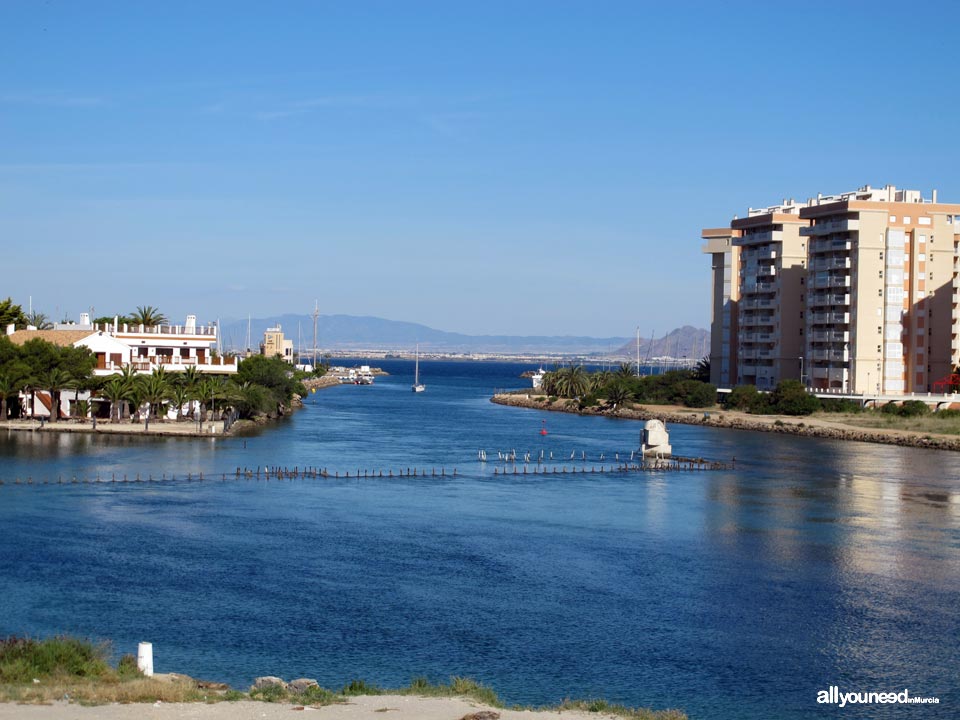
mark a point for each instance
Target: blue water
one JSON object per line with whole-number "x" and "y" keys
{"x": 733, "y": 594}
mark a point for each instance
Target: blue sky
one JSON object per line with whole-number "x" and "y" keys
{"x": 486, "y": 167}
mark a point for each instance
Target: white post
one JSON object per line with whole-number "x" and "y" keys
{"x": 145, "y": 658}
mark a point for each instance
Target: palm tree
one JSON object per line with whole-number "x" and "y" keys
{"x": 577, "y": 381}
{"x": 155, "y": 390}
{"x": 189, "y": 379}
{"x": 128, "y": 375}
{"x": 148, "y": 316}
{"x": 115, "y": 390}
{"x": 55, "y": 380}
{"x": 179, "y": 396}
{"x": 625, "y": 370}
{"x": 39, "y": 320}
{"x": 600, "y": 380}
{"x": 208, "y": 389}
{"x": 618, "y": 393}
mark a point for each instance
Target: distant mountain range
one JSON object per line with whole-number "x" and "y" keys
{"x": 351, "y": 332}
{"x": 683, "y": 342}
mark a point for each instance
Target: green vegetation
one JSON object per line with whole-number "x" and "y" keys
{"x": 676, "y": 387}
{"x": 11, "y": 314}
{"x": 261, "y": 387}
{"x": 41, "y": 671}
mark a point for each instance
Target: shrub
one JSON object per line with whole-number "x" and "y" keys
{"x": 891, "y": 408}
{"x": 22, "y": 659}
{"x": 947, "y": 413}
{"x": 839, "y": 405}
{"x": 742, "y": 397}
{"x": 914, "y": 408}
{"x": 697, "y": 394}
{"x": 127, "y": 667}
{"x": 790, "y": 397}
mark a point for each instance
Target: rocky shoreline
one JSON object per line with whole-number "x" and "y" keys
{"x": 732, "y": 420}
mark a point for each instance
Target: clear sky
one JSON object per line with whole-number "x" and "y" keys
{"x": 516, "y": 167}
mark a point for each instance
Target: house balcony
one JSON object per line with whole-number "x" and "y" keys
{"x": 757, "y": 337}
{"x": 750, "y": 288}
{"x": 174, "y": 364}
{"x": 829, "y": 227}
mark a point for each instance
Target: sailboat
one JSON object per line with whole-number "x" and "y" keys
{"x": 417, "y": 385}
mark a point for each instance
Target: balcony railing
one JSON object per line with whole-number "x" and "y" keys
{"x": 830, "y": 318}
{"x": 832, "y": 226}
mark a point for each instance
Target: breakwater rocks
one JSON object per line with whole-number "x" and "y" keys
{"x": 736, "y": 421}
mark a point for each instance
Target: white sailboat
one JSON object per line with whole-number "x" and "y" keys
{"x": 417, "y": 385}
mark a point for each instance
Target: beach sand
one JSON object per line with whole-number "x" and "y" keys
{"x": 369, "y": 707}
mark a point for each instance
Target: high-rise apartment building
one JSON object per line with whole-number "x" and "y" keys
{"x": 880, "y": 311}
{"x": 856, "y": 292}
{"x": 725, "y": 263}
{"x": 773, "y": 271}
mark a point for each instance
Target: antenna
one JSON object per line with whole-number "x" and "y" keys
{"x": 248, "y": 334}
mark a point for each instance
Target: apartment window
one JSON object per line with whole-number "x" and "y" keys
{"x": 923, "y": 220}
{"x": 881, "y": 274}
{"x": 931, "y": 274}
{"x": 906, "y": 219}
{"x": 881, "y": 254}
{"x": 893, "y": 218}
{"x": 880, "y": 292}
{"x": 879, "y": 330}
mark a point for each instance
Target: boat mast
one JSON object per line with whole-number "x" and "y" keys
{"x": 638, "y": 351}
{"x": 316, "y": 314}
{"x": 416, "y": 367}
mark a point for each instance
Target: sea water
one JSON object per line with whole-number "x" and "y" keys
{"x": 728, "y": 594}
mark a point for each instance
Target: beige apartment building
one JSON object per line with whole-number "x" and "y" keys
{"x": 725, "y": 263}
{"x": 274, "y": 343}
{"x": 880, "y": 297}
{"x": 856, "y": 292}
{"x": 757, "y": 324}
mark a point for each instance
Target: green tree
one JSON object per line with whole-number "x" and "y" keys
{"x": 116, "y": 391}
{"x": 179, "y": 396}
{"x": 701, "y": 371}
{"x": 148, "y": 316}
{"x": 618, "y": 393}
{"x": 54, "y": 381}
{"x": 8, "y": 390}
{"x": 39, "y": 320}
{"x": 155, "y": 389}
{"x": 625, "y": 370}
{"x": 11, "y": 314}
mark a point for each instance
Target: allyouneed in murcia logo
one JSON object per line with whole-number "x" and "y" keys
{"x": 833, "y": 696}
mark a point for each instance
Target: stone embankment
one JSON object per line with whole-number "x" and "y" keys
{"x": 713, "y": 417}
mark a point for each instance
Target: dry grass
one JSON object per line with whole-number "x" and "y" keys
{"x": 929, "y": 424}
{"x": 101, "y": 691}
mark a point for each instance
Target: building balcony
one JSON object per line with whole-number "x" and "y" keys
{"x": 829, "y": 227}
{"x": 756, "y": 320}
{"x": 829, "y": 318}
{"x": 829, "y": 300}
{"x": 830, "y": 281}
{"x": 833, "y": 263}
{"x": 830, "y": 336}
{"x": 758, "y": 303}
{"x": 760, "y": 238}
{"x": 823, "y": 354}
{"x": 757, "y": 337}
{"x": 749, "y": 288}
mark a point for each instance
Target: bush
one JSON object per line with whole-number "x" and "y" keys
{"x": 947, "y": 413}
{"x": 790, "y": 397}
{"x": 838, "y": 405}
{"x": 914, "y": 408}
{"x": 22, "y": 659}
{"x": 742, "y": 397}
{"x": 127, "y": 668}
{"x": 891, "y": 408}
{"x": 696, "y": 394}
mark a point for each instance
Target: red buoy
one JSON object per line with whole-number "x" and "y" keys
{"x": 543, "y": 427}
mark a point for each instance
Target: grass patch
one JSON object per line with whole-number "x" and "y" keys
{"x": 602, "y": 706}
{"x": 458, "y": 687}
{"x": 944, "y": 422}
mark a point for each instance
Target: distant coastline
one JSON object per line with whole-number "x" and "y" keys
{"x": 733, "y": 420}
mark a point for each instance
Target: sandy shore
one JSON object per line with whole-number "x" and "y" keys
{"x": 808, "y": 426}
{"x": 370, "y": 707}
